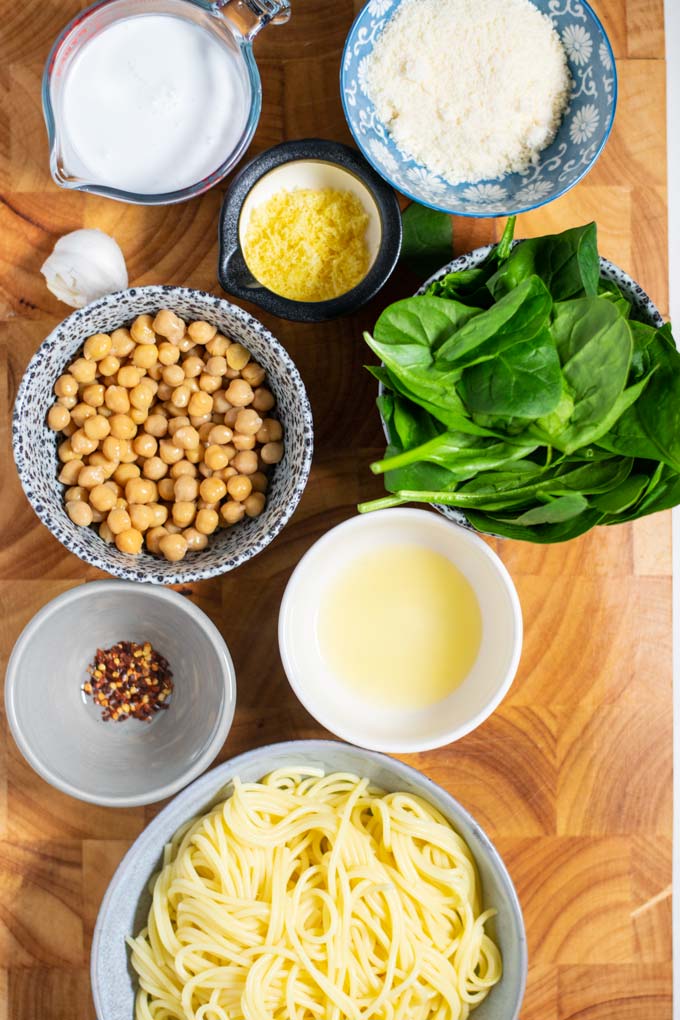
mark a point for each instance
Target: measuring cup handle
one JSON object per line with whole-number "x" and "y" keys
{"x": 250, "y": 16}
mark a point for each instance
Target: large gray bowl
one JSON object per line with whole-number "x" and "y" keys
{"x": 126, "y": 903}
{"x": 35, "y": 446}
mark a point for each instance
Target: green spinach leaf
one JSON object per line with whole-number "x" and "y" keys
{"x": 427, "y": 240}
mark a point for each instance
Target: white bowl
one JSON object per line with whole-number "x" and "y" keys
{"x": 339, "y": 708}
{"x": 61, "y": 734}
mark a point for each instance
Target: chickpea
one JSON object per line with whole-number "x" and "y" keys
{"x": 83, "y": 371}
{"x": 169, "y": 325}
{"x": 118, "y": 520}
{"x": 201, "y": 332}
{"x": 145, "y": 357}
{"x": 108, "y": 366}
{"x": 237, "y": 357}
{"x": 254, "y": 504}
{"x": 65, "y": 452}
{"x": 183, "y": 467}
{"x": 99, "y": 460}
{"x": 70, "y": 471}
{"x": 183, "y": 513}
{"x": 58, "y": 418}
{"x": 204, "y": 470}
{"x": 259, "y": 481}
{"x": 243, "y": 442}
{"x": 156, "y": 425}
{"x": 97, "y": 347}
{"x": 216, "y": 457}
{"x": 168, "y": 354}
{"x": 166, "y": 489}
{"x": 138, "y": 415}
{"x": 141, "y": 330}
{"x": 200, "y": 403}
{"x": 173, "y": 375}
{"x": 253, "y": 374}
{"x": 129, "y": 376}
{"x": 193, "y": 456}
{"x": 263, "y": 399}
{"x": 239, "y": 487}
{"x": 145, "y": 445}
{"x": 220, "y": 402}
{"x": 142, "y": 396}
{"x": 270, "y": 432}
{"x": 212, "y": 490}
{"x": 81, "y": 444}
{"x": 185, "y": 345}
{"x": 97, "y": 427}
{"x": 117, "y": 399}
{"x": 193, "y": 366}
{"x": 93, "y": 395}
{"x": 202, "y": 504}
{"x": 195, "y": 540}
{"x": 80, "y": 414}
{"x": 239, "y": 393}
{"x": 186, "y": 489}
{"x": 245, "y": 462}
{"x": 66, "y": 386}
{"x": 173, "y": 547}
{"x": 67, "y": 402}
{"x": 115, "y": 487}
{"x": 207, "y": 521}
{"x": 216, "y": 365}
{"x": 200, "y": 419}
{"x": 153, "y": 537}
{"x": 79, "y": 512}
{"x": 141, "y": 517}
{"x": 141, "y": 490}
{"x": 271, "y": 453}
{"x": 105, "y": 533}
{"x": 216, "y": 435}
{"x": 232, "y": 512}
{"x": 74, "y": 493}
{"x": 130, "y": 541}
{"x": 122, "y": 343}
{"x": 218, "y": 345}
{"x": 164, "y": 391}
{"x": 102, "y": 498}
{"x": 159, "y": 514}
{"x": 122, "y": 426}
{"x": 69, "y": 429}
{"x": 248, "y": 422}
{"x": 187, "y": 437}
{"x": 231, "y": 373}
{"x": 91, "y": 475}
{"x": 169, "y": 452}
{"x": 209, "y": 383}
{"x": 127, "y": 454}
{"x": 154, "y": 371}
{"x": 124, "y": 472}
{"x": 181, "y": 395}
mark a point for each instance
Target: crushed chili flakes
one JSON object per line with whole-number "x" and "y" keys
{"x": 129, "y": 681}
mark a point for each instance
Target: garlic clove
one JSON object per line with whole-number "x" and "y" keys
{"x": 85, "y": 265}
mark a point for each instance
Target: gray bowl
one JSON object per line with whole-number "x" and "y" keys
{"x": 126, "y": 903}
{"x": 35, "y": 445}
{"x": 60, "y": 732}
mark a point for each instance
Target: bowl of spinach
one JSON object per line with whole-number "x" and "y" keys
{"x": 529, "y": 390}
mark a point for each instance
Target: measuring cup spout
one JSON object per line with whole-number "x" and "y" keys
{"x": 250, "y": 16}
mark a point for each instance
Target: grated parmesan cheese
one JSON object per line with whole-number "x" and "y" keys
{"x": 472, "y": 89}
{"x": 308, "y": 245}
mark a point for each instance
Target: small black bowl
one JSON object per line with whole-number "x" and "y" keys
{"x": 315, "y": 156}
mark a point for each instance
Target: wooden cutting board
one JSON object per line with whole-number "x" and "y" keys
{"x": 571, "y": 777}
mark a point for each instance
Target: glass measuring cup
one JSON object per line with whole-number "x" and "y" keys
{"x": 232, "y": 23}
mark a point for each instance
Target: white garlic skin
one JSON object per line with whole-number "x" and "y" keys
{"x": 85, "y": 265}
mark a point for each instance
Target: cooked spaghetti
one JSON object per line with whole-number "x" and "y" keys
{"x": 312, "y": 897}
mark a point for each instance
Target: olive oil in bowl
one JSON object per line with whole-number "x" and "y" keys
{"x": 401, "y": 626}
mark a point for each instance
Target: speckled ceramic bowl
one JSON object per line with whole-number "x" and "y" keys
{"x": 126, "y": 903}
{"x": 35, "y": 446}
{"x": 645, "y": 311}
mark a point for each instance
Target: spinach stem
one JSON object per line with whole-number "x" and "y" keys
{"x": 380, "y": 504}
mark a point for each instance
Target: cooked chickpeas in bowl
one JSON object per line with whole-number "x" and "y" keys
{"x": 163, "y": 434}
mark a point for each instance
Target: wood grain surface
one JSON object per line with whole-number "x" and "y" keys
{"x": 571, "y": 777}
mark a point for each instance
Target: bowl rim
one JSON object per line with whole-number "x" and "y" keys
{"x": 491, "y": 214}
{"x": 85, "y": 590}
{"x": 316, "y": 746}
{"x": 137, "y": 565}
{"x": 415, "y": 517}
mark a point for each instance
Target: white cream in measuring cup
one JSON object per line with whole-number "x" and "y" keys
{"x": 152, "y": 104}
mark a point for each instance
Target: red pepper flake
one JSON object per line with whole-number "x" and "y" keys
{"x": 129, "y": 681}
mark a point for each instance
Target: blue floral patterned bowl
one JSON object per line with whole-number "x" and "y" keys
{"x": 35, "y": 446}
{"x": 580, "y": 139}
